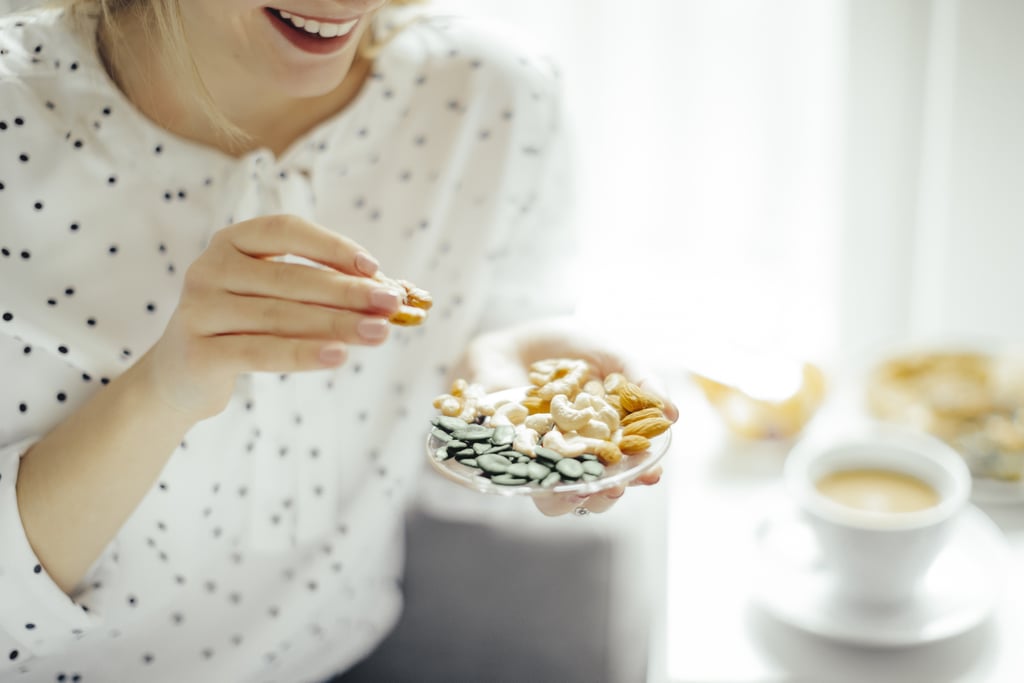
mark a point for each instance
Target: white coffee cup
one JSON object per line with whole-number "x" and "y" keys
{"x": 878, "y": 557}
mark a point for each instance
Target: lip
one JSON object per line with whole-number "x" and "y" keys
{"x": 308, "y": 42}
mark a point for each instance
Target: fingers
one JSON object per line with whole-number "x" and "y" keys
{"x": 259, "y": 353}
{"x": 559, "y": 504}
{"x": 286, "y": 234}
{"x": 648, "y": 478}
{"x": 562, "y": 504}
{"x": 250, "y": 315}
{"x": 246, "y": 275}
{"x": 603, "y": 501}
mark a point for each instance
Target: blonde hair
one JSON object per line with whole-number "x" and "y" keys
{"x": 165, "y": 28}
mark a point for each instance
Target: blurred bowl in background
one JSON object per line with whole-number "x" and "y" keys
{"x": 774, "y": 399}
{"x": 969, "y": 396}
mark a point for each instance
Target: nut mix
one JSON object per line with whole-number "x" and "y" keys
{"x": 568, "y": 427}
{"x": 415, "y": 301}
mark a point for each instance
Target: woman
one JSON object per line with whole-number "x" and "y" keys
{"x": 206, "y": 443}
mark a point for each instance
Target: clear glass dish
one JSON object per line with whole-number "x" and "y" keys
{"x": 619, "y": 474}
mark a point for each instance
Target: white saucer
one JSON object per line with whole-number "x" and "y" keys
{"x": 792, "y": 584}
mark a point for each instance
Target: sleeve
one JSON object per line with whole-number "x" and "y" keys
{"x": 36, "y": 616}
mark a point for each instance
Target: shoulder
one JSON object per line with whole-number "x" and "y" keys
{"x": 31, "y": 41}
{"x": 484, "y": 57}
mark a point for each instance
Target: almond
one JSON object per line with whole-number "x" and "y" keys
{"x": 608, "y": 453}
{"x": 633, "y": 444}
{"x": 643, "y": 414}
{"x": 634, "y": 398}
{"x": 652, "y": 426}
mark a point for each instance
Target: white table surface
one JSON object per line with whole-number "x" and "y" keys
{"x": 717, "y": 491}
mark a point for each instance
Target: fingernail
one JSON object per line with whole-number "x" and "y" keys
{"x": 386, "y": 299}
{"x": 372, "y": 329}
{"x": 332, "y": 355}
{"x": 366, "y": 264}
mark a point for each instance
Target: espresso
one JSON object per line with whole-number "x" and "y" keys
{"x": 878, "y": 491}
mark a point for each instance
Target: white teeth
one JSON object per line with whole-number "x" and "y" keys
{"x": 322, "y": 28}
{"x": 343, "y": 29}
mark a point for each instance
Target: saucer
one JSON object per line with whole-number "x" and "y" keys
{"x": 960, "y": 590}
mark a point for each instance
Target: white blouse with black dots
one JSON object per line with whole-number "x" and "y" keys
{"x": 270, "y": 547}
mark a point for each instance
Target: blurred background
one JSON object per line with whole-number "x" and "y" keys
{"x": 814, "y": 177}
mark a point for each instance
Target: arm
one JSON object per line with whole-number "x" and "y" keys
{"x": 240, "y": 311}
{"x": 78, "y": 484}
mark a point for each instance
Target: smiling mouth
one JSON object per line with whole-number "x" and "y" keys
{"x": 315, "y": 27}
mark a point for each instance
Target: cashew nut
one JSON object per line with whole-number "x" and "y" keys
{"x": 567, "y": 447}
{"x": 604, "y": 412}
{"x": 525, "y": 440}
{"x": 596, "y": 429}
{"x": 559, "y": 376}
{"x": 595, "y": 388}
{"x": 614, "y": 382}
{"x": 540, "y": 422}
{"x": 568, "y": 417}
{"x": 509, "y": 413}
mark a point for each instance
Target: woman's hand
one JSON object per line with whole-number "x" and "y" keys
{"x": 500, "y": 360}
{"x": 242, "y": 311}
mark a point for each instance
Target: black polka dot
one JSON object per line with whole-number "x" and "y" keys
{"x": 30, "y": 626}
{"x": 13, "y": 655}
{"x": 37, "y": 569}
{"x": 61, "y": 396}
{"x": 26, "y": 255}
{"x": 62, "y": 349}
{"x": 112, "y": 249}
{"x": 91, "y": 322}
{"x": 151, "y": 307}
{"x": 38, "y": 206}
{"x": 23, "y": 407}
{"x": 73, "y": 227}
{"x": 8, "y": 317}
{"x": 23, "y": 158}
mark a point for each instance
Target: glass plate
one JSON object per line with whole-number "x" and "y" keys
{"x": 619, "y": 474}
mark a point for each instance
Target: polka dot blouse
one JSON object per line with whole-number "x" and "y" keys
{"x": 269, "y": 549}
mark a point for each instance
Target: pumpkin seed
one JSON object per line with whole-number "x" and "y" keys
{"x": 594, "y": 468}
{"x": 569, "y": 468}
{"x": 537, "y": 471}
{"x": 546, "y": 454}
{"x": 503, "y": 435}
{"x": 449, "y": 424}
{"x": 492, "y": 463}
{"x": 551, "y": 480}
{"x": 440, "y": 435}
{"x": 473, "y": 433}
{"x": 520, "y": 469}
{"x": 470, "y": 462}
{"x": 508, "y": 480}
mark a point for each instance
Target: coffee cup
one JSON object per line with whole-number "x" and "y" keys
{"x": 881, "y": 501}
